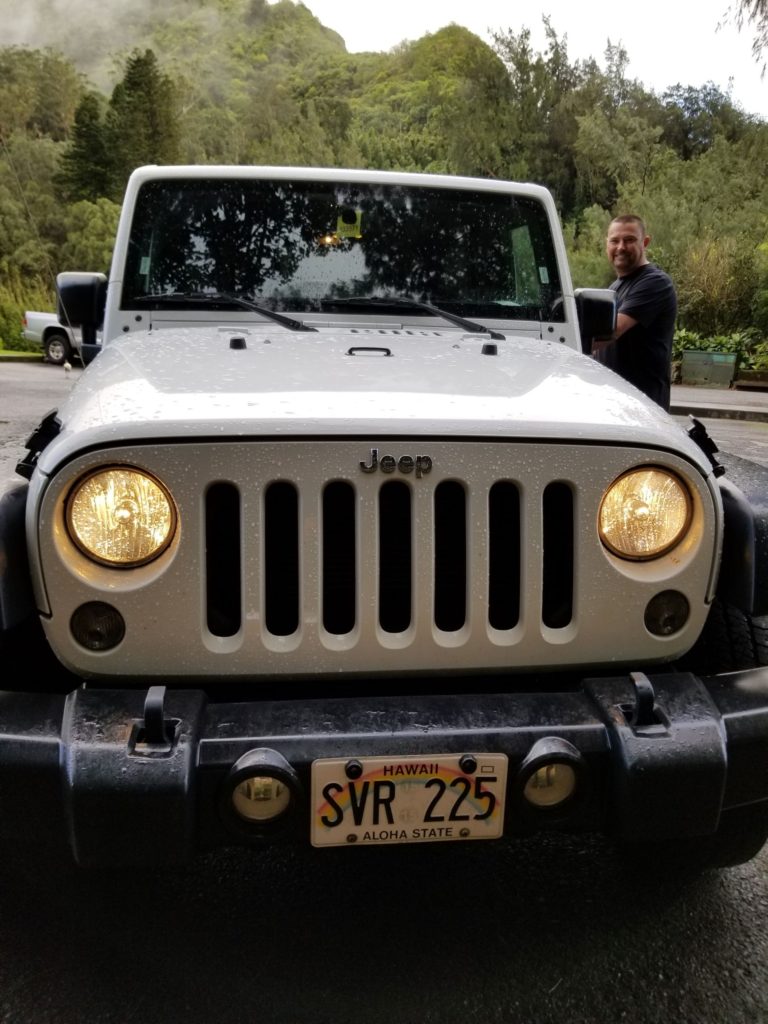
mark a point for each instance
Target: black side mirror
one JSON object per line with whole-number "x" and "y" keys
{"x": 81, "y": 302}
{"x": 596, "y": 309}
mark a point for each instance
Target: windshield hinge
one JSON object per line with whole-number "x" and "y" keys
{"x": 698, "y": 433}
{"x": 39, "y": 439}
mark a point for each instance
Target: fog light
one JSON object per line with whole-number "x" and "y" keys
{"x": 550, "y": 785}
{"x": 552, "y": 773}
{"x": 261, "y": 798}
{"x": 261, "y": 788}
{"x": 97, "y": 626}
{"x": 667, "y": 613}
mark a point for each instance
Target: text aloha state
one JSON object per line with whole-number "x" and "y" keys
{"x": 385, "y": 835}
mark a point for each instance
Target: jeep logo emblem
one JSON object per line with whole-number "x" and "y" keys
{"x": 421, "y": 465}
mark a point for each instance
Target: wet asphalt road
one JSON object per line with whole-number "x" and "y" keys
{"x": 547, "y": 930}
{"x": 541, "y": 932}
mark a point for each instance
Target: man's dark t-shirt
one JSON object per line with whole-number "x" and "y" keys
{"x": 643, "y": 354}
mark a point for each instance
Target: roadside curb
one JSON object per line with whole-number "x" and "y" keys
{"x": 14, "y": 357}
{"x": 754, "y": 414}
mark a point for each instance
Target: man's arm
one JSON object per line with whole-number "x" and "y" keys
{"x": 624, "y": 323}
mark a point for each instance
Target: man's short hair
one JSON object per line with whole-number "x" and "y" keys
{"x": 631, "y": 218}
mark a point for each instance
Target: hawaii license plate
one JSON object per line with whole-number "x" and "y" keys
{"x": 412, "y": 799}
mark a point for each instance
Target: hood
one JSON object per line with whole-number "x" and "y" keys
{"x": 351, "y": 382}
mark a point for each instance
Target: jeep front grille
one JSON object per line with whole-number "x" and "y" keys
{"x": 291, "y": 559}
{"x": 393, "y": 529}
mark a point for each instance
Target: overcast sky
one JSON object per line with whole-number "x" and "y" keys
{"x": 668, "y": 41}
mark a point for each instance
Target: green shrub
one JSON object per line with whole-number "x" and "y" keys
{"x": 18, "y": 294}
{"x": 747, "y": 345}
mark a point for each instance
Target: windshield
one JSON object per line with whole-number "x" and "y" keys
{"x": 298, "y": 245}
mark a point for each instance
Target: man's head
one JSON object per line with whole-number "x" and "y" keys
{"x": 626, "y": 244}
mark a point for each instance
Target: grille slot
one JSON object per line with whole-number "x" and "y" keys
{"x": 557, "y": 569}
{"x": 450, "y": 540}
{"x": 339, "y": 558}
{"x": 281, "y": 559}
{"x": 504, "y": 529}
{"x": 223, "y": 583}
{"x": 395, "y": 557}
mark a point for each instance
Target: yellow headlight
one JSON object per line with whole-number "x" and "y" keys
{"x": 121, "y": 516}
{"x": 644, "y": 513}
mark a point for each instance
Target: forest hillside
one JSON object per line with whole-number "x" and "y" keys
{"x": 246, "y": 81}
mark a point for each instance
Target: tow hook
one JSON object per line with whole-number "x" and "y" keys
{"x": 157, "y": 736}
{"x": 643, "y": 714}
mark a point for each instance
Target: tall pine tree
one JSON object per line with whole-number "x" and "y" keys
{"x": 86, "y": 170}
{"x": 142, "y": 121}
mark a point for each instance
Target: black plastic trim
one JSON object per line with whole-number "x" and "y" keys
{"x": 703, "y": 753}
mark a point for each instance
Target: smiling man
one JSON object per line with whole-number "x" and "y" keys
{"x": 641, "y": 348}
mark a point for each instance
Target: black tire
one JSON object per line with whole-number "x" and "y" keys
{"x": 57, "y": 348}
{"x": 29, "y": 663}
{"x": 741, "y": 835}
{"x": 730, "y": 641}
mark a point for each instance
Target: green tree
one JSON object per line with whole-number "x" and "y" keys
{"x": 91, "y": 228}
{"x": 754, "y": 13}
{"x": 85, "y": 166}
{"x": 694, "y": 117}
{"x": 614, "y": 151}
{"x": 39, "y": 91}
{"x": 439, "y": 104}
{"x": 141, "y": 121}
{"x": 31, "y": 217}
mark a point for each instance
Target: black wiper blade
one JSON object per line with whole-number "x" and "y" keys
{"x": 205, "y": 298}
{"x": 402, "y": 302}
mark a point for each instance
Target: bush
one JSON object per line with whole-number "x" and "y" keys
{"x": 16, "y": 296}
{"x": 747, "y": 345}
{"x": 716, "y": 284}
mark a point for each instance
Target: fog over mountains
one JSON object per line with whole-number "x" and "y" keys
{"x": 96, "y": 34}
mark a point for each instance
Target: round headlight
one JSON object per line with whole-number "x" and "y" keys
{"x": 120, "y": 516}
{"x": 644, "y": 513}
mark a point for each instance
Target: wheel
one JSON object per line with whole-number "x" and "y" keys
{"x": 729, "y": 642}
{"x": 741, "y": 835}
{"x": 57, "y": 348}
{"x": 29, "y": 663}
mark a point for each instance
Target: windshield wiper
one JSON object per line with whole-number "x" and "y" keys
{"x": 402, "y": 302}
{"x": 212, "y": 298}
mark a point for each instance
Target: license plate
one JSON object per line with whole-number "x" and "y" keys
{"x": 412, "y": 799}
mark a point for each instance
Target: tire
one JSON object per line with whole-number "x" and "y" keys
{"x": 730, "y": 641}
{"x": 29, "y": 663}
{"x": 57, "y": 348}
{"x": 741, "y": 835}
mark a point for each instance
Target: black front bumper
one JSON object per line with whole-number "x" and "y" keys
{"x": 83, "y": 772}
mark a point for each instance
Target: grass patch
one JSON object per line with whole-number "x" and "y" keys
{"x": 12, "y": 353}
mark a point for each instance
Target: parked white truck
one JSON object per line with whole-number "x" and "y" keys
{"x": 60, "y": 344}
{"x": 343, "y": 537}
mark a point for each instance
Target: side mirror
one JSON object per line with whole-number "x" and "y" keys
{"x": 596, "y": 309}
{"x": 82, "y": 300}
